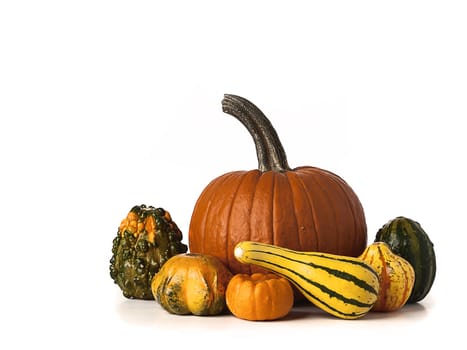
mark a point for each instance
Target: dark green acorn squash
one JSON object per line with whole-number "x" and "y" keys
{"x": 407, "y": 239}
{"x": 145, "y": 240}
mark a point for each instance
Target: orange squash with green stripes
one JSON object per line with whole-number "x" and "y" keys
{"x": 343, "y": 286}
{"x": 396, "y": 276}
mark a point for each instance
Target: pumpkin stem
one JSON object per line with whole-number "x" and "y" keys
{"x": 269, "y": 150}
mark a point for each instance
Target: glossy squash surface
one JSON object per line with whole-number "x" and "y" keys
{"x": 406, "y": 238}
{"x": 396, "y": 276}
{"x": 345, "y": 287}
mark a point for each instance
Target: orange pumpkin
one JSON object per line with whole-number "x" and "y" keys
{"x": 259, "y": 297}
{"x": 305, "y": 208}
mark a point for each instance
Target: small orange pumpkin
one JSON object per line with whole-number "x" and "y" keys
{"x": 304, "y": 208}
{"x": 259, "y": 297}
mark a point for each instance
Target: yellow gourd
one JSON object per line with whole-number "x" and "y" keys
{"x": 396, "y": 276}
{"x": 192, "y": 284}
{"x": 345, "y": 287}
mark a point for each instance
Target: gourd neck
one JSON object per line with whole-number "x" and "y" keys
{"x": 269, "y": 150}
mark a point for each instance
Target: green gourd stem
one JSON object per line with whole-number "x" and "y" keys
{"x": 269, "y": 150}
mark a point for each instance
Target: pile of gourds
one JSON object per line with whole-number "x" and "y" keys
{"x": 263, "y": 239}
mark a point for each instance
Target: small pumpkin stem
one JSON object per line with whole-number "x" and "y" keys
{"x": 269, "y": 150}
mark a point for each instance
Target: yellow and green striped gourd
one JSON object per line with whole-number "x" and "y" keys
{"x": 343, "y": 286}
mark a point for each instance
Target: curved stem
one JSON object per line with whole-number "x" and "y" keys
{"x": 269, "y": 150}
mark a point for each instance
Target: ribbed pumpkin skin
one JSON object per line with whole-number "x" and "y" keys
{"x": 407, "y": 239}
{"x": 259, "y": 297}
{"x": 306, "y": 209}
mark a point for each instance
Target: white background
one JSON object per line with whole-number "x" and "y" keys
{"x": 109, "y": 104}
